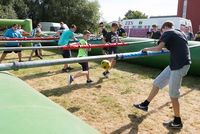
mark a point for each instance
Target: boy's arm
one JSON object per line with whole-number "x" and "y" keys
{"x": 156, "y": 48}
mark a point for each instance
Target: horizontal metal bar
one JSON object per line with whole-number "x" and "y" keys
{"x": 32, "y": 64}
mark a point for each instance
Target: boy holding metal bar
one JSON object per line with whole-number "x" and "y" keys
{"x": 82, "y": 53}
{"x": 112, "y": 37}
{"x": 176, "y": 42}
{"x": 65, "y": 38}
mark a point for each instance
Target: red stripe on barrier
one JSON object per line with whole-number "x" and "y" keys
{"x": 77, "y": 46}
{"x": 22, "y": 39}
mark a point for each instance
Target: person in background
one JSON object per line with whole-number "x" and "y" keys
{"x": 197, "y": 35}
{"x": 37, "y": 31}
{"x": 182, "y": 28}
{"x": 37, "y": 44}
{"x": 82, "y": 53}
{"x": 121, "y": 31}
{"x": 12, "y": 33}
{"x": 64, "y": 40}
{"x": 102, "y": 32}
{"x": 22, "y": 31}
{"x": 175, "y": 41}
{"x": 112, "y": 37}
{"x": 155, "y": 34}
{"x": 188, "y": 33}
{"x": 62, "y": 28}
{"x": 149, "y": 33}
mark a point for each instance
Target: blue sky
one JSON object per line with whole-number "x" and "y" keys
{"x": 113, "y": 9}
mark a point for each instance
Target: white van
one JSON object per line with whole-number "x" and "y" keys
{"x": 51, "y": 26}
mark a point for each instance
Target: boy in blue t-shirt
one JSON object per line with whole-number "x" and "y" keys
{"x": 66, "y": 36}
{"x": 12, "y": 33}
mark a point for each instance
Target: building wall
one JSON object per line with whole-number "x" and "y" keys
{"x": 193, "y": 11}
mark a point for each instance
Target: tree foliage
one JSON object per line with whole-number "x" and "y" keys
{"x": 83, "y": 13}
{"x": 131, "y": 14}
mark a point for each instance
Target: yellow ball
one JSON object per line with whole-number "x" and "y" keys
{"x": 105, "y": 64}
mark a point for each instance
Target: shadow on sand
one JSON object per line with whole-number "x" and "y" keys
{"x": 67, "y": 89}
{"x": 137, "y": 120}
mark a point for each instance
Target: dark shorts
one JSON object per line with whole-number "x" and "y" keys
{"x": 66, "y": 53}
{"x": 112, "y": 50}
{"x": 16, "y": 51}
{"x": 85, "y": 66}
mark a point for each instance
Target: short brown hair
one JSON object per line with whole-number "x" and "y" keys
{"x": 154, "y": 25}
{"x": 115, "y": 25}
{"x": 73, "y": 26}
{"x": 14, "y": 25}
{"x": 86, "y": 32}
{"x": 168, "y": 24}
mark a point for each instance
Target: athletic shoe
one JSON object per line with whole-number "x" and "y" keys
{"x": 89, "y": 81}
{"x": 40, "y": 57}
{"x": 173, "y": 125}
{"x": 141, "y": 107}
{"x": 70, "y": 79}
{"x": 106, "y": 74}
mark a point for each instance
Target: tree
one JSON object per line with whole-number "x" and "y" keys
{"x": 83, "y": 13}
{"x": 131, "y": 14}
{"x": 7, "y": 12}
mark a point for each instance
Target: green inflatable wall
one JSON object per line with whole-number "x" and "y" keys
{"x": 26, "y": 24}
{"x": 25, "y": 111}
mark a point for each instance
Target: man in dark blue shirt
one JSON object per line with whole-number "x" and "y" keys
{"x": 176, "y": 42}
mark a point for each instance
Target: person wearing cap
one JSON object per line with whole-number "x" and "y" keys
{"x": 176, "y": 42}
{"x": 82, "y": 52}
{"x": 12, "y": 33}
{"x": 155, "y": 34}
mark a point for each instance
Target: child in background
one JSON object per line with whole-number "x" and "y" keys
{"x": 112, "y": 37}
{"x": 38, "y": 52}
{"x": 82, "y": 53}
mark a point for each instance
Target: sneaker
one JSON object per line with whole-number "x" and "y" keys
{"x": 89, "y": 81}
{"x": 40, "y": 57}
{"x": 70, "y": 79}
{"x": 106, "y": 74}
{"x": 173, "y": 125}
{"x": 141, "y": 107}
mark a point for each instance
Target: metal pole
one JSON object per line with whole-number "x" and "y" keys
{"x": 32, "y": 64}
{"x": 72, "y": 46}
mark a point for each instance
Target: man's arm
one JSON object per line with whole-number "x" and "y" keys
{"x": 156, "y": 48}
